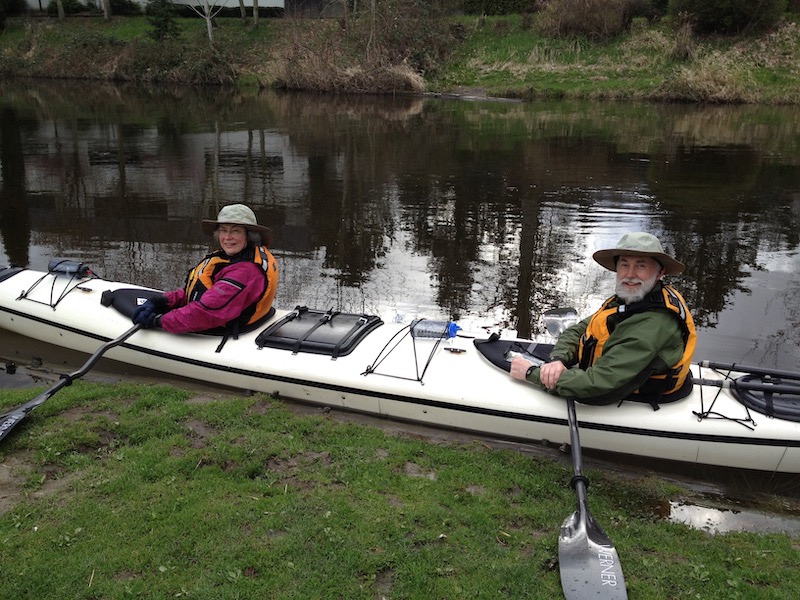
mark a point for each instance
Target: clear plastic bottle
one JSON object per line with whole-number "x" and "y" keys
{"x": 429, "y": 328}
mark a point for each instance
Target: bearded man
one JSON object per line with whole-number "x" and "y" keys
{"x": 637, "y": 346}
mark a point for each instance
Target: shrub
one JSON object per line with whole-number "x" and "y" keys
{"x": 499, "y": 7}
{"x": 125, "y": 8}
{"x": 13, "y": 8}
{"x": 684, "y": 48}
{"x": 161, "y": 15}
{"x": 729, "y": 16}
{"x": 391, "y": 47}
{"x": 71, "y": 7}
{"x": 592, "y": 19}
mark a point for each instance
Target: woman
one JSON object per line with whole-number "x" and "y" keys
{"x": 230, "y": 291}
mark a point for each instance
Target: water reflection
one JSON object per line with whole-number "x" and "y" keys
{"x": 407, "y": 206}
{"x": 726, "y": 520}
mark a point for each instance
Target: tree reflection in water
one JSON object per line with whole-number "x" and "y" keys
{"x": 406, "y": 206}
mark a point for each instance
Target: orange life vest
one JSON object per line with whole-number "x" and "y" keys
{"x": 201, "y": 278}
{"x": 603, "y": 322}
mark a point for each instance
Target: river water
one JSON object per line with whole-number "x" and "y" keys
{"x": 483, "y": 211}
{"x": 486, "y": 212}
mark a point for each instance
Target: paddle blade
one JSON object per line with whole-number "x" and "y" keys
{"x": 8, "y": 421}
{"x": 559, "y": 319}
{"x": 588, "y": 561}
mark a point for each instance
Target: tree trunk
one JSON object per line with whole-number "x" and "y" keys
{"x": 255, "y": 13}
{"x": 209, "y": 25}
{"x": 242, "y": 10}
{"x": 60, "y": 6}
{"x": 106, "y": 10}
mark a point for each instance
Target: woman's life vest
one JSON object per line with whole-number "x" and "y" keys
{"x": 676, "y": 383}
{"x": 201, "y": 279}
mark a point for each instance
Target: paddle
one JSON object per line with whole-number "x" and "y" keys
{"x": 750, "y": 370}
{"x": 754, "y": 386}
{"x": 10, "y": 419}
{"x": 587, "y": 559}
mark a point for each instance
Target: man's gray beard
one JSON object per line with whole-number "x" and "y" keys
{"x": 630, "y": 297}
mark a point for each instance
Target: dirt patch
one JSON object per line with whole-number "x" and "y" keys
{"x": 53, "y": 484}
{"x": 80, "y": 413}
{"x": 384, "y": 583}
{"x": 199, "y": 432}
{"x": 293, "y": 463}
{"x": 260, "y": 408}
{"x": 202, "y": 399}
{"x": 14, "y": 471}
{"x": 414, "y": 470}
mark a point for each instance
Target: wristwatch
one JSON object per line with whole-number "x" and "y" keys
{"x": 529, "y": 371}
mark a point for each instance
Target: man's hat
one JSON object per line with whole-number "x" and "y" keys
{"x": 236, "y": 214}
{"x": 638, "y": 244}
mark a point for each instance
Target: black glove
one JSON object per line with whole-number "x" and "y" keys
{"x": 146, "y": 314}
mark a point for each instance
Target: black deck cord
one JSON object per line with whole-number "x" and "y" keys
{"x": 398, "y": 337}
{"x": 67, "y": 289}
{"x": 225, "y": 338}
{"x": 709, "y": 414}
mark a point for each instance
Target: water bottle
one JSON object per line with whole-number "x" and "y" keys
{"x": 428, "y": 328}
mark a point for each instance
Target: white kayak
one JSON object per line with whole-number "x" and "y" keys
{"x": 357, "y": 362}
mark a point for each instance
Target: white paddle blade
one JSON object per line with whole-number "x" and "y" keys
{"x": 559, "y": 319}
{"x": 588, "y": 561}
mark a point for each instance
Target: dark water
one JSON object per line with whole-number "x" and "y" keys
{"x": 486, "y": 212}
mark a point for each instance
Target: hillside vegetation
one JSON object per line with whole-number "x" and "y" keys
{"x": 496, "y": 56}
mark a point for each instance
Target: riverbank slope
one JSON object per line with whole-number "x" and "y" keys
{"x": 500, "y": 56}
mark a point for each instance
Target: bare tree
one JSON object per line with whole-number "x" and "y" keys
{"x": 208, "y": 12}
{"x": 106, "y": 9}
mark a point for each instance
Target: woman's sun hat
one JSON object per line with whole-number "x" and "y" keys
{"x": 638, "y": 244}
{"x": 236, "y": 214}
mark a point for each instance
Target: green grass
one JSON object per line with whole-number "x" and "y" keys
{"x": 144, "y": 491}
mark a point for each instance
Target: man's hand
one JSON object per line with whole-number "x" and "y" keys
{"x": 519, "y": 368}
{"x": 550, "y": 372}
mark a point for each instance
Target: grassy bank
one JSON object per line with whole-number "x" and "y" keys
{"x": 116, "y": 491}
{"x": 502, "y": 56}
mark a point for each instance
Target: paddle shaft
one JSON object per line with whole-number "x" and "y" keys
{"x": 751, "y": 370}
{"x": 588, "y": 561}
{"x": 10, "y": 419}
{"x": 577, "y": 457}
{"x": 756, "y": 386}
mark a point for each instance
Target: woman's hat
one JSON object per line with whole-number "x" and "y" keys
{"x": 236, "y": 214}
{"x": 638, "y": 244}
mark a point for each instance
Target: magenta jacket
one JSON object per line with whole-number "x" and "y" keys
{"x": 236, "y": 287}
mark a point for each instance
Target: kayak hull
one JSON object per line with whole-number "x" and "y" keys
{"x": 390, "y": 374}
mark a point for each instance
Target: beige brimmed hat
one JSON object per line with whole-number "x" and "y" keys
{"x": 638, "y": 244}
{"x": 236, "y": 214}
